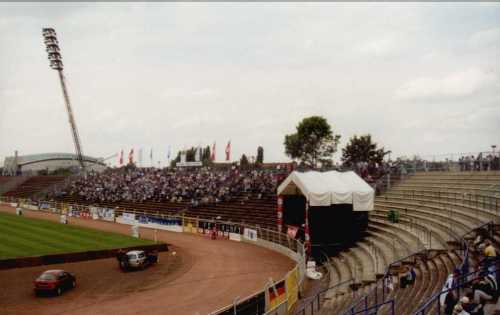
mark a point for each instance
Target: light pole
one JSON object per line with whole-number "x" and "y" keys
{"x": 55, "y": 58}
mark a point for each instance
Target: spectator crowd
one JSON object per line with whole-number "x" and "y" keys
{"x": 200, "y": 186}
{"x": 489, "y": 162}
{"x": 480, "y": 284}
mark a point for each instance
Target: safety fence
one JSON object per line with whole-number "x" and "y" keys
{"x": 277, "y": 297}
{"x": 380, "y": 296}
{"x": 480, "y": 204}
{"x": 434, "y": 304}
{"x": 466, "y": 277}
{"x": 313, "y": 304}
{"x": 23, "y": 262}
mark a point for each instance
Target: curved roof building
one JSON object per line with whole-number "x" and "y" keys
{"x": 49, "y": 162}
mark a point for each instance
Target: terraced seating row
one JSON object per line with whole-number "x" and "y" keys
{"x": 150, "y": 207}
{"x": 435, "y": 219}
{"x": 250, "y": 211}
{"x": 34, "y": 185}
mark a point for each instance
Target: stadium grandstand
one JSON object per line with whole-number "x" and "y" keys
{"x": 355, "y": 208}
{"x": 424, "y": 220}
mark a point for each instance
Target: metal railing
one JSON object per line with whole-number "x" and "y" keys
{"x": 462, "y": 281}
{"x": 371, "y": 300}
{"x": 314, "y": 303}
{"x": 483, "y": 205}
{"x": 277, "y": 241}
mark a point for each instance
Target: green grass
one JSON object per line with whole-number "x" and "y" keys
{"x": 24, "y": 237}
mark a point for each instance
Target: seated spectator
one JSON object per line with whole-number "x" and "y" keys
{"x": 485, "y": 289}
{"x": 407, "y": 278}
{"x": 459, "y": 310}
{"x": 470, "y": 306}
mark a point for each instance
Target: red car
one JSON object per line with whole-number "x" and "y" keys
{"x": 54, "y": 281}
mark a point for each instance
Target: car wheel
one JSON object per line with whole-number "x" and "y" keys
{"x": 58, "y": 291}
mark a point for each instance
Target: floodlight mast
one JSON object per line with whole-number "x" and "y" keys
{"x": 55, "y": 58}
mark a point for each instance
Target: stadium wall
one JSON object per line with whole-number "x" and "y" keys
{"x": 275, "y": 298}
{"x": 72, "y": 257}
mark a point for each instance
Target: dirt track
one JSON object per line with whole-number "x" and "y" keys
{"x": 203, "y": 276}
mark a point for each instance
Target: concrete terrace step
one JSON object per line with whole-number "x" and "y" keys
{"x": 480, "y": 211}
{"x": 458, "y": 226}
{"x": 421, "y": 232}
{"x": 471, "y": 215}
{"x": 399, "y": 235}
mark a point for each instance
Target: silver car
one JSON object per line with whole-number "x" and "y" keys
{"x": 136, "y": 258}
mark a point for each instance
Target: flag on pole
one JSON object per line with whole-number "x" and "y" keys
{"x": 131, "y": 156}
{"x": 121, "y": 158}
{"x": 212, "y": 155}
{"x": 228, "y": 151}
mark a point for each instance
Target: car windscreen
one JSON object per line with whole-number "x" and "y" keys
{"x": 131, "y": 256}
{"x": 47, "y": 277}
{"x": 141, "y": 255}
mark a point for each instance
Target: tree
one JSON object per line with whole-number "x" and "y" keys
{"x": 260, "y": 156}
{"x": 205, "y": 156}
{"x": 176, "y": 160}
{"x": 362, "y": 149}
{"x": 244, "y": 161}
{"x": 313, "y": 143}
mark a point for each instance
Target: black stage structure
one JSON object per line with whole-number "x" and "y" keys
{"x": 330, "y": 209}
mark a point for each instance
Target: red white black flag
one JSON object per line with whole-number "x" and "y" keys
{"x": 228, "y": 151}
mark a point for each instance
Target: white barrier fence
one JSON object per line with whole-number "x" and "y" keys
{"x": 275, "y": 303}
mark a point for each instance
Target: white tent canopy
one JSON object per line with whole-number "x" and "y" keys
{"x": 330, "y": 188}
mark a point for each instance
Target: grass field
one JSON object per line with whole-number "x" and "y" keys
{"x": 23, "y": 237}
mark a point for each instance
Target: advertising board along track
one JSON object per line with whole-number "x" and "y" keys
{"x": 239, "y": 232}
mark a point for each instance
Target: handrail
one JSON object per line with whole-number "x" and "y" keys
{"x": 352, "y": 307}
{"x": 463, "y": 265}
{"x": 295, "y": 246}
{"x": 317, "y": 295}
{"x": 377, "y": 307}
{"x": 462, "y": 280}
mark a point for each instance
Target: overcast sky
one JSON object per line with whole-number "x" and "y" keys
{"x": 421, "y": 78}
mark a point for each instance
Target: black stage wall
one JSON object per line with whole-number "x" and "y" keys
{"x": 331, "y": 228}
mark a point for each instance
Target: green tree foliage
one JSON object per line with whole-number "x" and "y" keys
{"x": 176, "y": 160}
{"x": 312, "y": 143}
{"x": 244, "y": 161}
{"x": 205, "y": 155}
{"x": 362, "y": 149}
{"x": 260, "y": 156}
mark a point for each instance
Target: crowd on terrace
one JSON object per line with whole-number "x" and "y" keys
{"x": 200, "y": 186}
{"x": 483, "y": 283}
{"x": 486, "y": 162}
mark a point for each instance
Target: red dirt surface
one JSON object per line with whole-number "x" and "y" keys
{"x": 203, "y": 276}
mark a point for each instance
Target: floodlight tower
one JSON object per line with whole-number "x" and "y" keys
{"x": 55, "y": 58}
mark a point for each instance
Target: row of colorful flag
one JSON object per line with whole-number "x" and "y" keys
{"x": 227, "y": 151}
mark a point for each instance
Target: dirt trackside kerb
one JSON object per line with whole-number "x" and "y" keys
{"x": 73, "y": 257}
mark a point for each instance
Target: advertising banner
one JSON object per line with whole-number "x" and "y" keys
{"x": 128, "y": 217}
{"x": 250, "y": 234}
{"x": 292, "y": 287}
{"x": 235, "y": 237}
{"x": 43, "y": 206}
